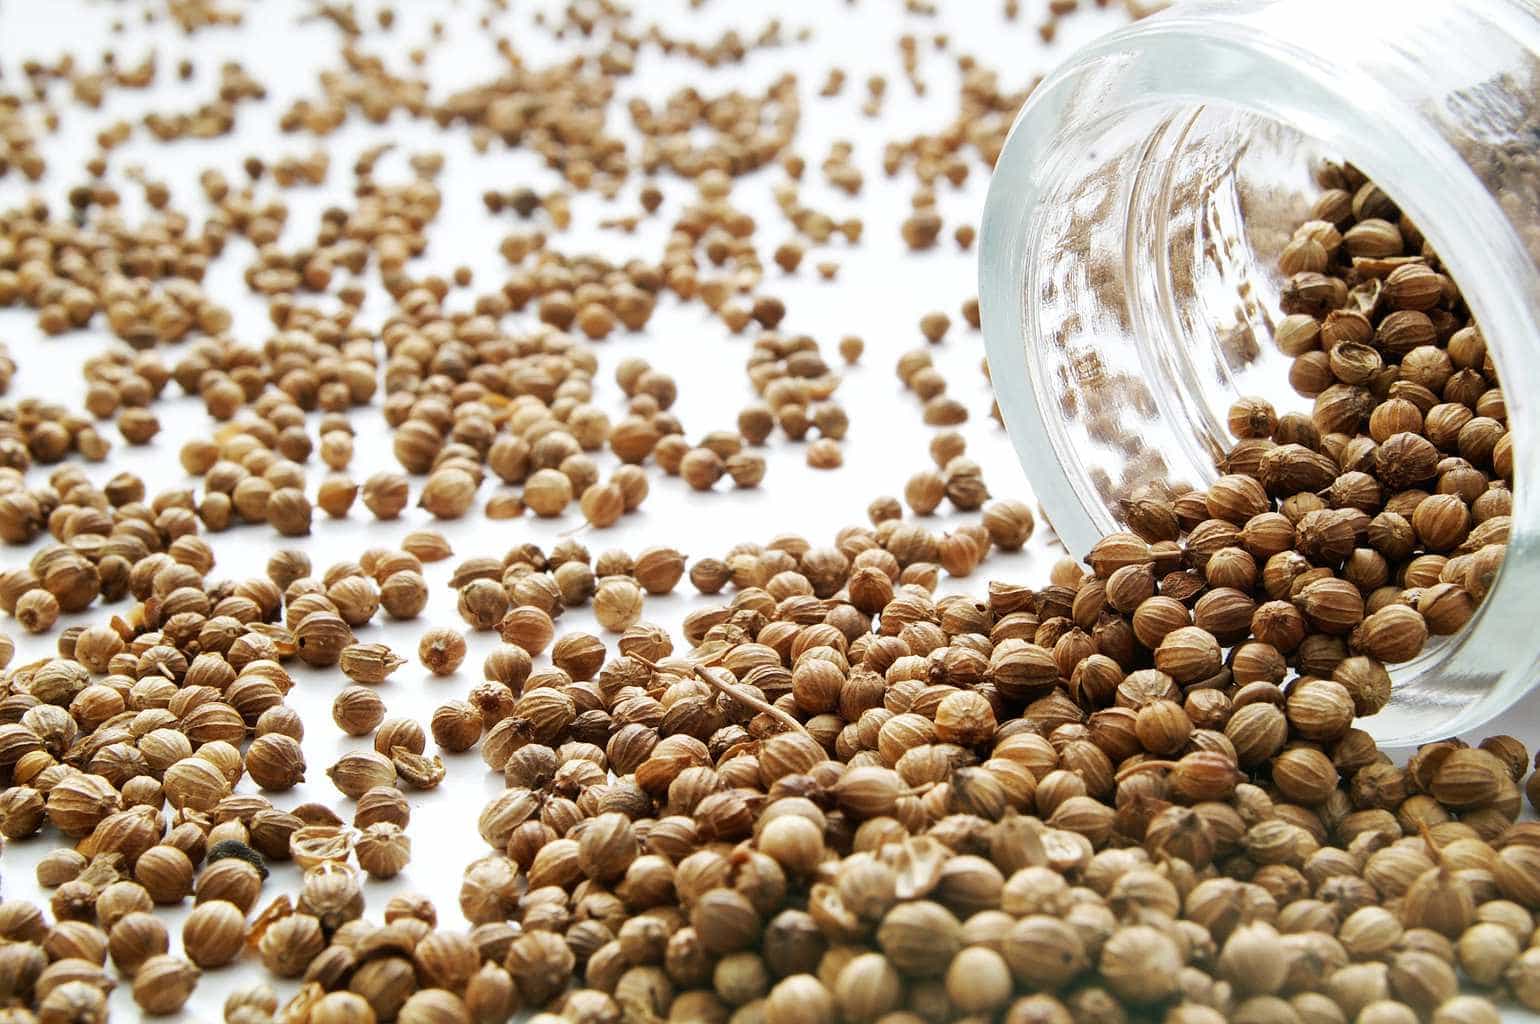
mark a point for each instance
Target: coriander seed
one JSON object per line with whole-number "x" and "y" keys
{"x": 617, "y": 603}
{"x": 164, "y": 983}
{"x": 441, "y": 651}
{"x": 357, "y": 710}
{"x": 385, "y": 495}
{"x": 383, "y": 850}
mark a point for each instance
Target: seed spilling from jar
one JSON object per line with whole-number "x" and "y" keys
{"x": 1133, "y": 788}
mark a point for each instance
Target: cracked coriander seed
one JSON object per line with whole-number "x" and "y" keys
{"x": 368, "y": 663}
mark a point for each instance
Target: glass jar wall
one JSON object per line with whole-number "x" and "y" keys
{"x": 1129, "y": 276}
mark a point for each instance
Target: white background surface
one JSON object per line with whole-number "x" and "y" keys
{"x": 880, "y": 293}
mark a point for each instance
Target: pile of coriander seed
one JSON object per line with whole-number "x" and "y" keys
{"x": 846, "y": 789}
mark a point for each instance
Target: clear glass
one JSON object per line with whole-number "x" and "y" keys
{"x": 1129, "y": 250}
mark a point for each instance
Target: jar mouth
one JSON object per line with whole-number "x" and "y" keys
{"x": 1129, "y": 290}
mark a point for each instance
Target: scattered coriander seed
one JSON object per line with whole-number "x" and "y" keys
{"x": 138, "y": 426}
{"x": 355, "y": 599}
{"x": 321, "y": 637}
{"x": 399, "y": 732}
{"x": 385, "y": 495}
{"x": 357, "y": 710}
{"x": 369, "y": 663}
{"x": 701, "y": 468}
{"x": 824, "y": 453}
{"x": 617, "y": 603}
{"x": 527, "y": 627}
{"x": 275, "y": 762}
{"x": 213, "y": 935}
{"x": 504, "y": 506}
{"x": 456, "y": 726}
{"x": 164, "y": 983}
{"x": 359, "y": 771}
{"x": 658, "y": 570}
{"x": 547, "y": 492}
{"x": 441, "y": 651}
{"x": 382, "y": 803}
{"x": 404, "y": 594}
{"x": 427, "y": 545}
{"x": 289, "y": 512}
{"x": 166, "y": 874}
{"x": 448, "y": 493}
{"x": 37, "y": 611}
{"x": 483, "y": 603}
{"x": 134, "y": 938}
{"x": 747, "y": 469}
{"x": 336, "y": 494}
{"x": 934, "y": 326}
{"x": 383, "y": 850}
{"x": 924, "y": 492}
{"x": 603, "y": 505}
{"x": 1009, "y": 524}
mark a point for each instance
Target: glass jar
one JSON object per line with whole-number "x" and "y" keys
{"x": 1129, "y": 252}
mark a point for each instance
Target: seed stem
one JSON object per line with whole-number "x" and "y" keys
{"x": 1143, "y": 766}
{"x": 757, "y": 703}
